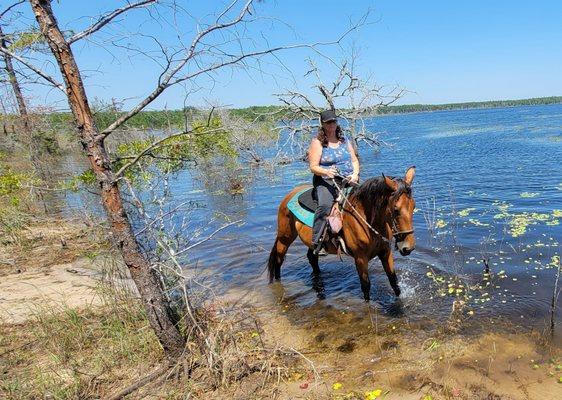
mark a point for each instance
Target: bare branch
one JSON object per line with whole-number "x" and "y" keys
{"x": 44, "y": 75}
{"x": 107, "y": 19}
{"x": 356, "y": 97}
{"x": 164, "y": 82}
{"x": 10, "y": 7}
{"x": 208, "y": 237}
{"x": 168, "y": 80}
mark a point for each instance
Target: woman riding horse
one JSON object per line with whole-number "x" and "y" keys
{"x": 329, "y": 154}
{"x": 374, "y": 213}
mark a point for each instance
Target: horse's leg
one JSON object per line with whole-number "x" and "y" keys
{"x": 313, "y": 260}
{"x": 277, "y": 256}
{"x": 362, "y": 265}
{"x": 388, "y": 264}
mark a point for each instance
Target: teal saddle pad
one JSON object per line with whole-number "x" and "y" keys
{"x": 304, "y": 215}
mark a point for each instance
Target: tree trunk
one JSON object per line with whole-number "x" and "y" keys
{"x": 28, "y": 131}
{"x": 14, "y": 80}
{"x": 145, "y": 278}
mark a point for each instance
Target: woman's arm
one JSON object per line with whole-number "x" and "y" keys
{"x": 355, "y": 161}
{"x": 314, "y": 154}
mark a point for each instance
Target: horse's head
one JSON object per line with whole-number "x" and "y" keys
{"x": 401, "y": 207}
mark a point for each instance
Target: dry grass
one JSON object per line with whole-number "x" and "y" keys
{"x": 48, "y": 241}
{"x": 65, "y": 353}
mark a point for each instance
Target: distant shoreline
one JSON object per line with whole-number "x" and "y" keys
{"x": 412, "y": 108}
{"x": 408, "y": 108}
{"x": 160, "y": 119}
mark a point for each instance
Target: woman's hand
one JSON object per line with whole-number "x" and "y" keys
{"x": 353, "y": 177}
{"x": 330, "y": 172}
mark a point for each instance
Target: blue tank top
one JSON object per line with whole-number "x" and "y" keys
{"x": 338, "y": 157}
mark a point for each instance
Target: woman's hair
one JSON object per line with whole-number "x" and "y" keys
{"x": 323, "y": 138}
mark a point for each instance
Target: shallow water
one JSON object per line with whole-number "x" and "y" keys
{"x": 488, "y": 185}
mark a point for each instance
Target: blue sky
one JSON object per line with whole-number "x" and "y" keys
{"x": 441, "y": 51}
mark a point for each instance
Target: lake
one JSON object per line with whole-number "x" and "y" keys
{"x": 488, "y": 186}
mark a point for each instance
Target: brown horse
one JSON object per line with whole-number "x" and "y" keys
{"x": 378, "y": 210}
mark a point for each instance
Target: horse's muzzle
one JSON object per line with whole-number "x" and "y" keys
{"x": 405, "y": 250}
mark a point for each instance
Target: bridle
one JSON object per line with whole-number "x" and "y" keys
{"x": 396, "y": 234}
{"x": 399, "y": 234}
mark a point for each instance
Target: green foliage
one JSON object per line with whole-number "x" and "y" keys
{"x": 259, "y": 113}
{"x": 9, "y": 183}
{"x": 76, "y": 183}
{"x": 25, "y": 40}
{"x": 207, "y": 140}
{"x": 105, "y": 114}
{"x": 165, "y": 119}
{"x": 210, "y": 139}
{"x": 12, "y": 197}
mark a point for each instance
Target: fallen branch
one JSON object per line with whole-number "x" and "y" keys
{"x": 140, "y": 383}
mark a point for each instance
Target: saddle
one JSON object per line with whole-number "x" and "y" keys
{"x": 334, "y": 221}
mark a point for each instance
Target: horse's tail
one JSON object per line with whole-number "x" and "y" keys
{"x": 273, "y": 263}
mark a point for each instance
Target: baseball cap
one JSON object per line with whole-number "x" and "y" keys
{"x": 328, "y": 115}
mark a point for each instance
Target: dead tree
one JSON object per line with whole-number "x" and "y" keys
{"x": 354, "y": 98}
{"x": 11, "y": 73}
{"x": 147, "y": 282}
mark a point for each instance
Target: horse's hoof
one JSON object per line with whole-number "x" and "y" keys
{"x": 397, "y": 291}
{"x": 367, "y": 298}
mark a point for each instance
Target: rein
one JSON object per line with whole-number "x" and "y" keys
{"x": 395, "y": 232}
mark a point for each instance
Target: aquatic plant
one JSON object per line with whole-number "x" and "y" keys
{"x": 519, "y": 222}
{"x": 466, "y": 211}
{"x": 476, "y": 222}
{"x": 554, "y": 262}
{"x": 529, "y": 195}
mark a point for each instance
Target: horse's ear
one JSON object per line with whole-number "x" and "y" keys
{"x": 392, "y": 185}
{"x": 410, "y": 173}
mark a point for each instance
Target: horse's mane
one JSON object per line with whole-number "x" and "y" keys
{"x": 374, "y": 194}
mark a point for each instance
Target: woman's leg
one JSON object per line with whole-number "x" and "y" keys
{"x": 325, "y": 199}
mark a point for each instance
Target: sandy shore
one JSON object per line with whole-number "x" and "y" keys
{"x": 56, "y": 263}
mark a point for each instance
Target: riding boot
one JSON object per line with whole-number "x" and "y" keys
{"x": 317, "y": 247}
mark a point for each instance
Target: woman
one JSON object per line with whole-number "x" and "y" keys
{"x": 330, "y": 154}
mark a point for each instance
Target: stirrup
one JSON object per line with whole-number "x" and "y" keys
{"x": 318, "y": 249}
